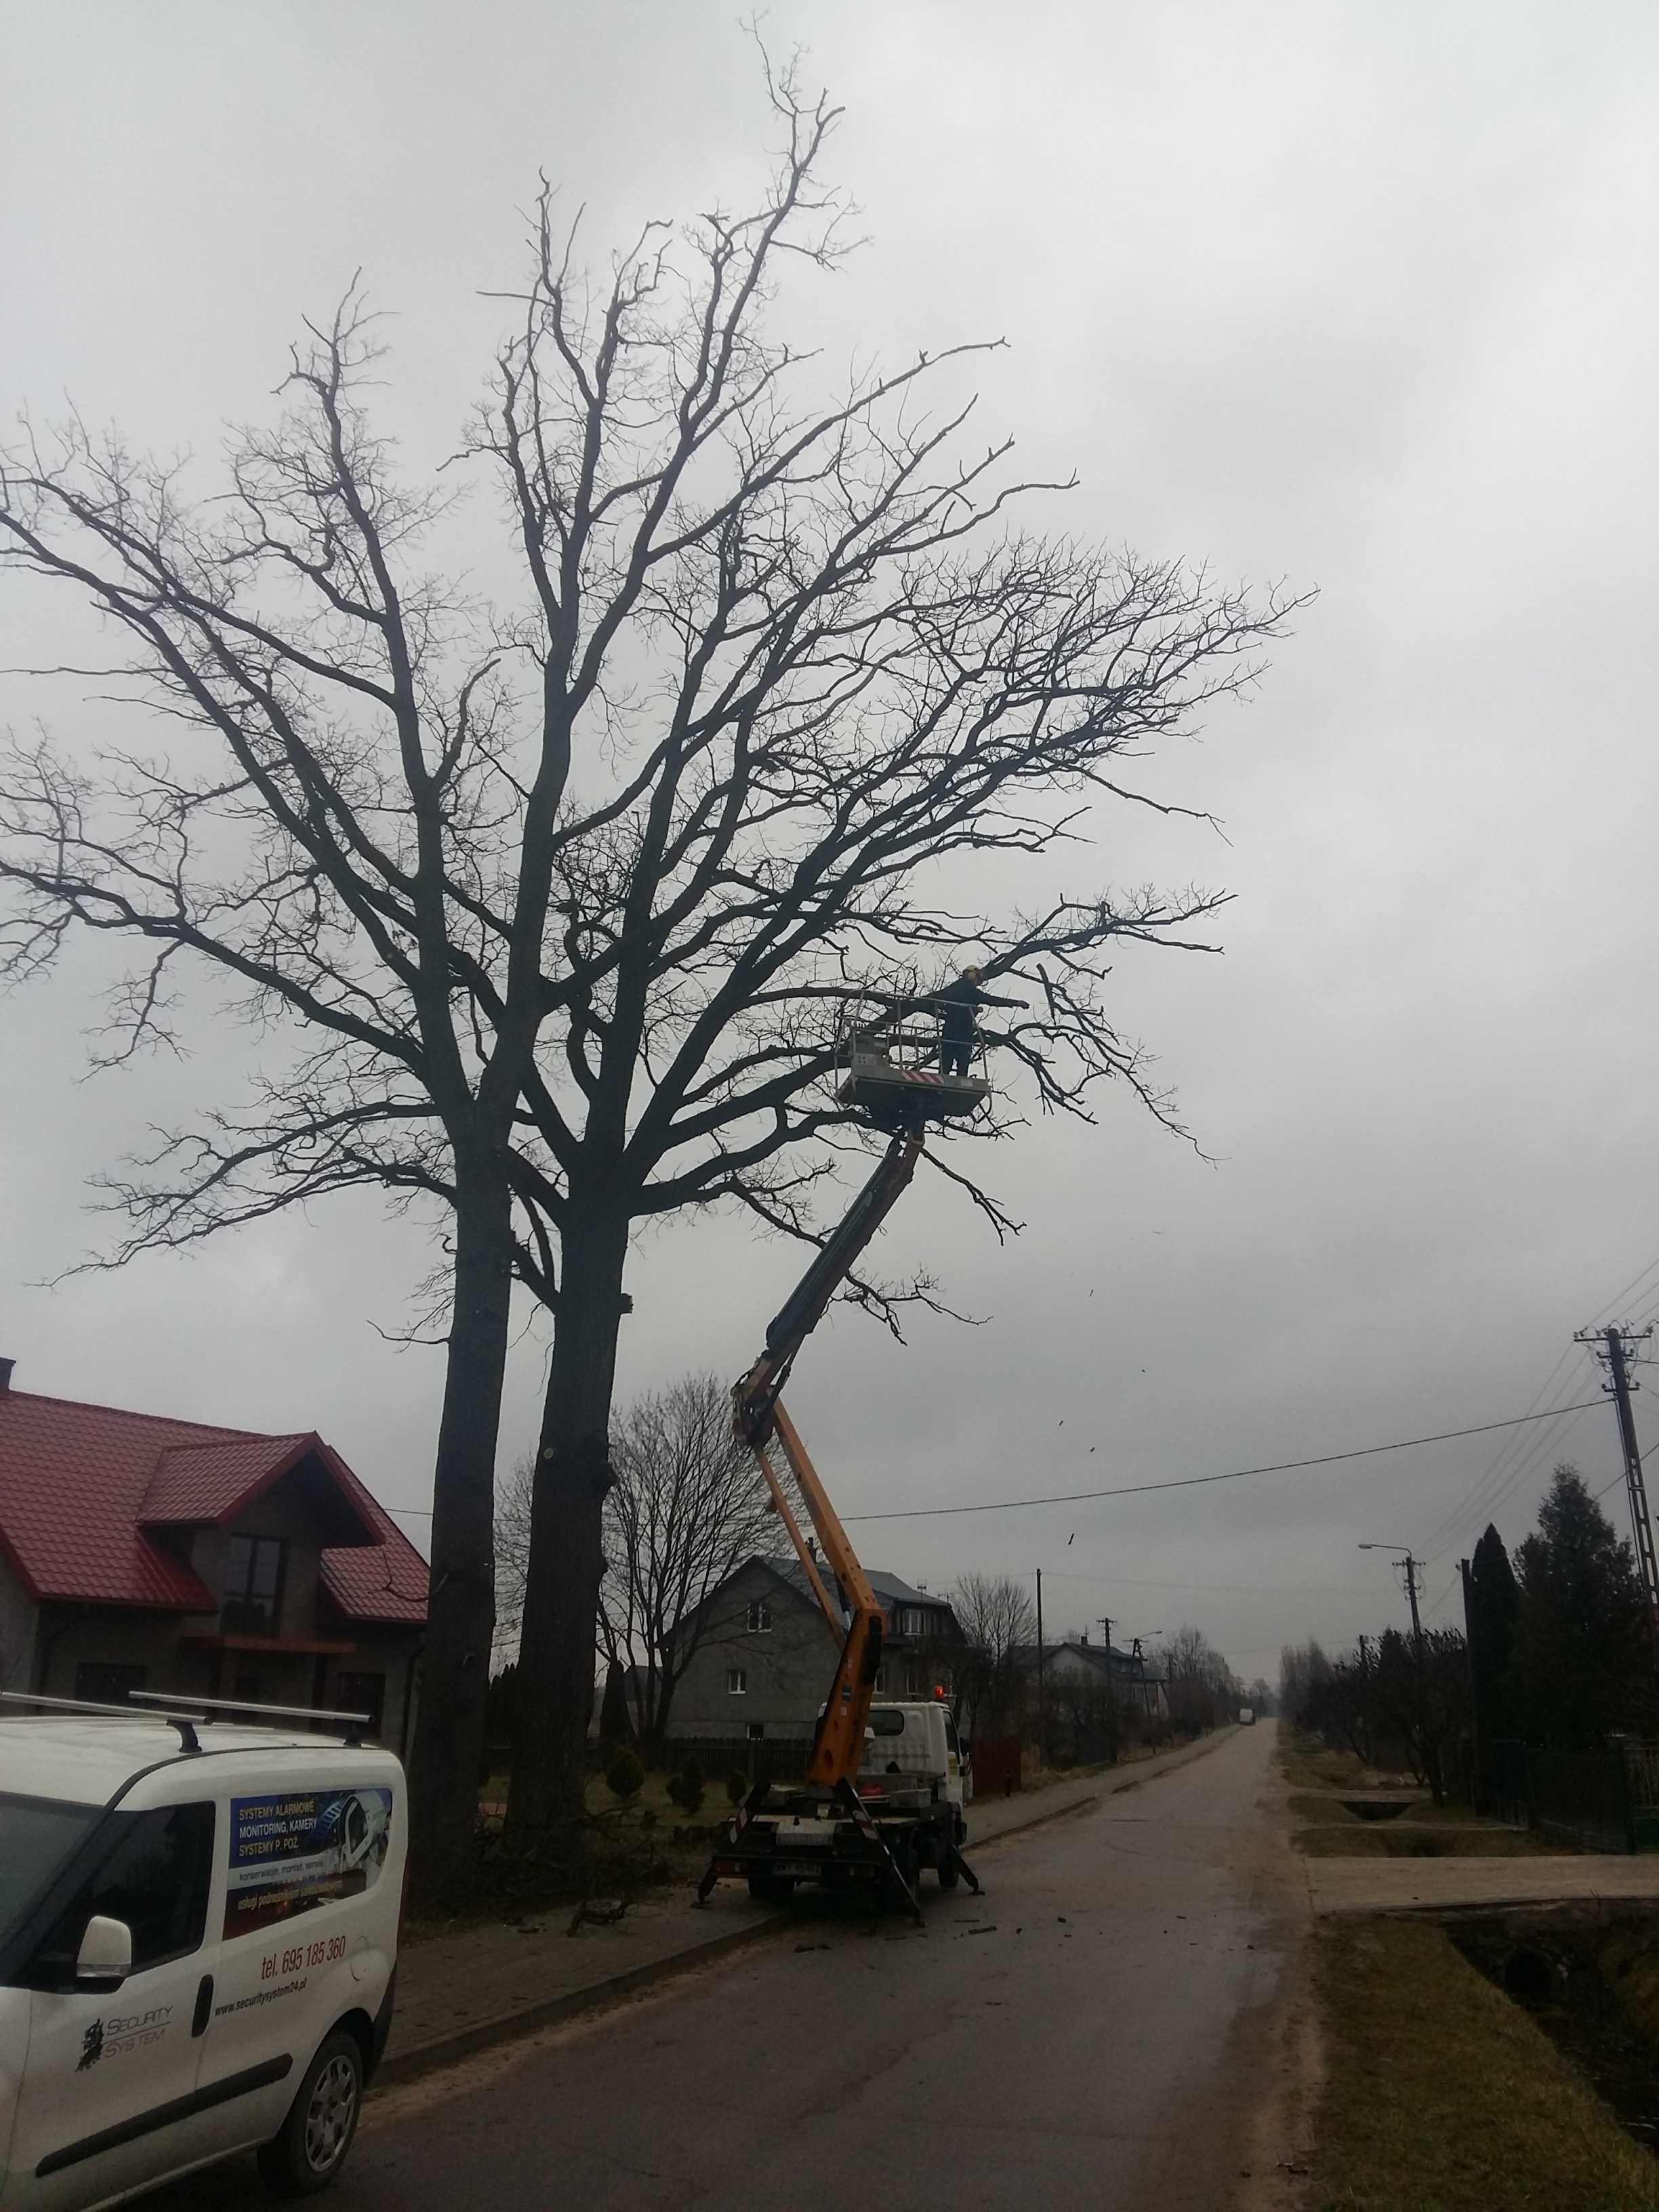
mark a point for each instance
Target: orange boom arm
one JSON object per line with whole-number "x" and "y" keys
{"x": 761, "y": 1422}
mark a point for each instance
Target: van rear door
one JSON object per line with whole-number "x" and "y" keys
{"x": 107, "y": 2099}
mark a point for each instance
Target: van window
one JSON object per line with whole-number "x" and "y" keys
{"x": 37, "y": 1834}
{"x": 886, "y": 1720}
{"x": 951, "y": 1732}
{"x": 155, "y": 1879}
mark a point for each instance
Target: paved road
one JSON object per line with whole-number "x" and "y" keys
{"x": 1092, "y": 2033}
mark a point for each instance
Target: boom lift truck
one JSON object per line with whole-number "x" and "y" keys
{"x": 829, "y": 1827}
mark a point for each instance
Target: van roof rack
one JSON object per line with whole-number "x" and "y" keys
{"x": 188, "y": 1739}
{"x": 353, "y": 1723}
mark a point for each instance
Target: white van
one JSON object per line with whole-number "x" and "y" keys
{"x": 198, "y": 1934}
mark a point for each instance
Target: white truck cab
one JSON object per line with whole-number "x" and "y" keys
{"x": 907, "y": 1743}
{"x": 198, "y": 1938}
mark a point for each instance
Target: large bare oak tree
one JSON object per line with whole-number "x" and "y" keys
{"x": 560, "y": 898}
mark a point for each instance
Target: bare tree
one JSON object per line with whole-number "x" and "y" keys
{"x": 998, "y": 1621}
{"x": 566, "y": 898}
{"x": 343, "y": 818}
{"x": 685, "y": 1511}
{"x": 1203, "y": 1690}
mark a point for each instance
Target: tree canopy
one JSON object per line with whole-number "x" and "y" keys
{"x": 549, "y": 906}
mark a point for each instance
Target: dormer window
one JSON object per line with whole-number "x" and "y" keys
{"x": 253, "y": 1586}
{"x": 912, "y": 1620}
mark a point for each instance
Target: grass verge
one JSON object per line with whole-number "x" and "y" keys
{"x": 1443, "y": 2096}
{"x": 1310, "y": 1764}
{"x": 1418, "y": 1840}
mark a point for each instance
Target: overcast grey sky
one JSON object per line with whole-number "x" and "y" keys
{"x": 1360, "y": 298}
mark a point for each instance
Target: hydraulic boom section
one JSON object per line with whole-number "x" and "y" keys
{"x": 761, "y": 1422}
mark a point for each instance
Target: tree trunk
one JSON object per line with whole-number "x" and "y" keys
{"x": 449, "y": 1727}
{"x": 566, "y": 1559}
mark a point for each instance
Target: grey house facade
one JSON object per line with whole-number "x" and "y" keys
{"x": 763, "y": 1655}
{"x": 1076, "y": 1663}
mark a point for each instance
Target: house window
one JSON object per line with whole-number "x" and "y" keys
{"x": 760, "y": 1616}
{"x": 912, "y": 1620}
{"x": 105, "y": 1682}
{"x": 736, "y": 1682}
{"x": 253, "y": 1586}
{"x": 363, "y": 1694}
{"x": 758, "y": 1731}
{"x": 916, "y": 1682}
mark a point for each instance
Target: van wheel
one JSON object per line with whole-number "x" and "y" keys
{"x": 322, "y": 2121}
{"x": 949, "y": 1875}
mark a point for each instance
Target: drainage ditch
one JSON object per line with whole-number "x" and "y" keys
{"x": 1590, "y": 1980}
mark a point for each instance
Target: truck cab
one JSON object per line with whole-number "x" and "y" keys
{"x": 199, "y": 1936}
{"x": 908, "y": 1746}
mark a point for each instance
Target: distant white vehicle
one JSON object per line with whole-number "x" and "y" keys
{"x": 1246, "y": 1717}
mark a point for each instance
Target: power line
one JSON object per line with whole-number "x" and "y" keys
{"x": 1196, "y": 1481}
{"x": 1560, "y": 1419}
{"x": 1230, "y": 1589}
{"x": 1496, "y": 1479}
{"x": 1467, "y": 1510}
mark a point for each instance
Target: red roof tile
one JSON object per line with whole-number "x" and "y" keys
{"x": 78, "y": 1482}
{"x": 196, "y": 1482}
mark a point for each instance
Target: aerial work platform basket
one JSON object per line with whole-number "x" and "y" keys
{"x": 891, "y": 1055}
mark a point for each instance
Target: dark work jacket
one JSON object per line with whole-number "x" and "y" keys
{"x": 958, "y": 1000}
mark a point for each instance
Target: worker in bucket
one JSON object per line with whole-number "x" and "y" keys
{"x": 959, "y": 1033}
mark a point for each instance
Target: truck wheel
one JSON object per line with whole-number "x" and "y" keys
{"x": 949, "y": 1875}
{"x": 771, "y": 1888}
{"x": 322, "y": 2121}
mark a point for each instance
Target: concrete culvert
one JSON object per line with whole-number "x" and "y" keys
{"x": 1528, "y": 1975}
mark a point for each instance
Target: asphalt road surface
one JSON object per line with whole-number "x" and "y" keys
{"x": 1094, "y": 2030}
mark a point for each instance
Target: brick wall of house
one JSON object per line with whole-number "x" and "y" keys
{"x": 389, "y": 1654}
{"x": 17, "y": 1633}
{"x": 73, "y": 1636}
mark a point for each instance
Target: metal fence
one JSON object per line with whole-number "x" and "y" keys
{"x": 1581, "y": 1798}
{"x": 1592, "y": 1801}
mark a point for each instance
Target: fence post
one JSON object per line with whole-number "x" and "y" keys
{"x": 1625, "y": 1797}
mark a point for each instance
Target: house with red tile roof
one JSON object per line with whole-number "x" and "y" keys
{"x": 138, "y": 1553}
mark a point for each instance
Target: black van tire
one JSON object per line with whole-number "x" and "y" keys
{"x": 315, "y": 2138}
{"x": 950, "y": 1873}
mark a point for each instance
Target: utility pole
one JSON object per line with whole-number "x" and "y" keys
{"x": 1477, "y": 1741}
{"x": 1613, "y": 1344}
{"x": 1409, "y": 1567}
{"x": 1111, "y": 1684}
{"x": 1042, "y": 1682}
